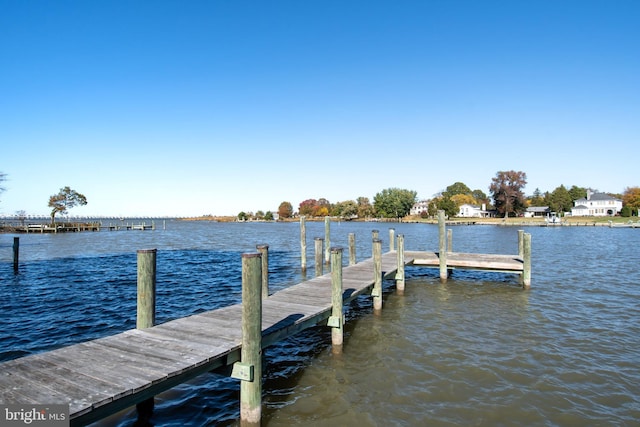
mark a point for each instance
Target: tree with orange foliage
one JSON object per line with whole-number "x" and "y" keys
{"x": 631, "y": 198}
{"x": 285, "y": 210}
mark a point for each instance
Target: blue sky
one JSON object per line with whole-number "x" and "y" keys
{"x": 169, "y": 108}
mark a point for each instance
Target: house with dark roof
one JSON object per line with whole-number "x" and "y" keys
{"x": 596, "y": 204}
{"x": 537, "y": 211}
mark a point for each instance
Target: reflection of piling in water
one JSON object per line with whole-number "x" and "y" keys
{"x": 16, "y": 253}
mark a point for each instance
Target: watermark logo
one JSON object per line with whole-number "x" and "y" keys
{"x": 34, "y": 415}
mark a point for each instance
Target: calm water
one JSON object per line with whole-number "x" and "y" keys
{"x": 476, "y": 351}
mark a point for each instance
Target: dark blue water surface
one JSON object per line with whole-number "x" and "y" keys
{"x": 477, "y": 350}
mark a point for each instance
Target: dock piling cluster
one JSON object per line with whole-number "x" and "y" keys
{"x": 287, "y": 312}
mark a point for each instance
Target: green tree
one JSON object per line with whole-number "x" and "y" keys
{"x": 506, "y": 188}
{"x": 268, "y": 216}
{"x": 394, "y": 202}
{"x": 285, "y": 210}
{"x": 537, "y": 198}
{"x": 65, "y": 200}
{"x": 365, "y": 209}
{"x": 577, "y": 192}
{"x": 347, "y": 209}
{"x": 242, "y": 216}
{"x": 560, "y": 200}
{"x": 446, "y": 204}
{"x": 455, "y": 189}
{"x": 432, "y": 208}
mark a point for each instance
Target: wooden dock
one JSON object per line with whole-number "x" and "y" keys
{"x": 101, "y": 377}
{"x": 66, "y": 227}
{"x": 465, "y": 261}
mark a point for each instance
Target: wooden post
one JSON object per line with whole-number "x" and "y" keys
{"x": 377, "y": 276}
{"x": 16, "y": 253}
{"x": 526, "y": 272}
{"x": 303, "y": 243}
{"x": 352, "y": 249}
{"x": 521, "y": 243}
{"x": 442, "y": 247}
{"x": 336, "y": 321}
{"x": 449, "y": 240}
{"x": 319, "y": 242}
{"x": 264, "y": 252}
{"x": 146, "y": 316}
{"x": 327, "y": 239}
{"x": 251, "y": 352}
{"x": 392, "y": 239}
{"x": 146, "y": 313}
{"x": 374, "y": 234}
{"x": 400, "y": 270}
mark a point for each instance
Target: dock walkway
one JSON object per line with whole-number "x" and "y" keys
{"x": 103, "y": 376}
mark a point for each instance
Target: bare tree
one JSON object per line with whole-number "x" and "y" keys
{"x": 3, "y": 177}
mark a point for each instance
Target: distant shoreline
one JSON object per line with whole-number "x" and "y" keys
{"x": 614, "y": 222}
{"x": 519, "y": 221}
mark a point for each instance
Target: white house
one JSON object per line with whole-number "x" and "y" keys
{"x": 596, "y": 204}
{"x": 419, "y": 207}
{"x": 533, "y": 211}
{"x": 469, "y": 211}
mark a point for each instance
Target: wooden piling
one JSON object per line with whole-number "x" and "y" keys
{"x": 264, "y": 252}
{"x": 318, "y": 247}
{"x": 146, "y": 307}
{"x": 400, "y": 271}
{"x": 521, "y": 243}
{"x": 375, "y": 234}
{"x": 442, "y": 247}
{"x": 336, "y": 321}
{"x": 327, "y": 239}
{"x": 392, "y": 239}
{"x": 251, "y": 352}
{"x": 303, "y": 243}
{"x": 16, "y": 253}
{"x": 352, "y": 249}
{"x": 146, "y": 314}
{"x": 526, "y": 271}
{"x": 377, "y": 276}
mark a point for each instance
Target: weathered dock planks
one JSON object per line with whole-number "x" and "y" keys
{"x": 489, "y": 262}
{"x": 103, "y": 376}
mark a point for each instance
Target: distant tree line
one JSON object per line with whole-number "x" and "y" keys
{"x": 506, "y": 196}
